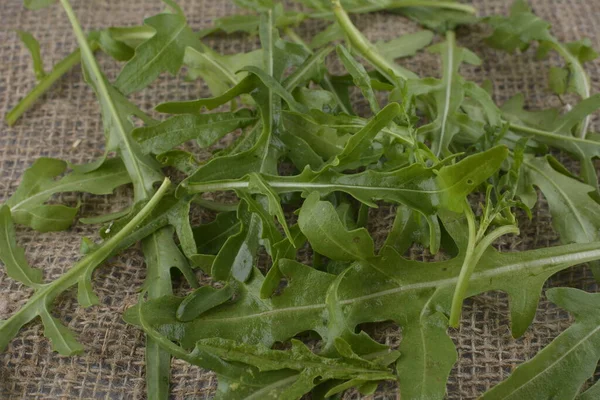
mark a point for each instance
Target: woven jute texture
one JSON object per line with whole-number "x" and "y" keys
{"x": 66, "y": 124}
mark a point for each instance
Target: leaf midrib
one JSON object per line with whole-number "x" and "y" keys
{"x": 59, "y": 188}
{"x": 558, "y": 262}
{"x": 559, "y": 359}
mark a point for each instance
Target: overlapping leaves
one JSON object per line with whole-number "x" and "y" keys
{"x": 425, "y": 149}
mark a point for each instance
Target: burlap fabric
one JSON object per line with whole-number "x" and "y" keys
{"x": 66, "y": 124}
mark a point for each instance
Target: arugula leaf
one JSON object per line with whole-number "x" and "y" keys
{"x": 421, "y": 188}
{"x": 37, "y": 4}
{"x": 562, "y": 367}
{"x": 205, "y": 128}
{"x": 549, "y": 128}
{"x": 38, "y": 185}
{"x": 371, "y": 291}
{"x": 34, "y": 49}
{"x": 405, "y": 45}
{"x": 575, "y": 214}
{"x": 44, "y": 295}
{"x": 13, "y": 256}
{"x": 518, "y": 30}
{"x": 164, "y": 51}
{"x": 359, "y": 76}
{"x": 522, "y": 27}
{"x": 448, "y": 94}
{"x": 220, "y": 72}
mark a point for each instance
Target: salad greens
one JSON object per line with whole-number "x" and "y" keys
{"x": 306, "y": 166}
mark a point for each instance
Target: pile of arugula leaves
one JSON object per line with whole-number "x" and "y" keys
{"x": 304, "y": 171}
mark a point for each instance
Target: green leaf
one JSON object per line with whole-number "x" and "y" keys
{"x": 164, "y": 51}
{"x": 448, "y": 94}
{"x": 405, "y": 45}
{"x": 590, "y": 394}
{"x": 422, "y": 189}
{"x": 392, "y": 72}
{"x": 117, "y": 49}
{"x": 439, "y": 19}
{"x": 359, "y": 76}
{"x": 205, "y": 128}
{"x": 320, "y": 223}
{"x": 561, "y": 368}
{"x": 284, "y": 249}
{"x": 44, "y": 295}
{"x": 257, "y": 184}
{"x": 37, "y": 4}
{"x": 299, "y": 358}
{"x": 210, "y": 237}
{"x": 371, "y": 291}
{"x": 12, "y": 255}
{"x": 558, "y": 80}
{"x": 34, "y": 49}
{"x": 355, "y": 148}
{"x": 202, "y": 300}
{"x": 63, "y": 340}
{"x": 116, "y": 110}
{"x": 38, "y": 185}
{"x": 518, "y": 30}
{"x": 550, "y": 128}
{"x": 220, "y": 72}
{"x": 575, "y": 214}
{"x": 236, "y": 257}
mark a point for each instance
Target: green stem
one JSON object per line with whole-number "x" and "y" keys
{"x": 61, "y": 68}
{"x": 402, "y": 4}
{"x": 463, "y": 277}
{"x": 158, "y": 362}
{"x": 326, "y": 82}
{"x": 473, "y": 254}
{"x": 366, "y": 49}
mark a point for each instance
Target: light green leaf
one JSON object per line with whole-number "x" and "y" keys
{"x": 561, "y": 368}
{"x": 63, "y": 340}
{"x": 202, "y": 300}
{"x": 575, "y": 214}
{"x": 34, "y": 49}
{"x": 321, "y": 225}
{"x": 518, "y": 30}
{"x": 205, "y": 128}
{"x": 422, "y": 189}
{"x": 405, "y": 45}
{"x": 359, "y": 76}
{"x": 12, "y": 255}
{"x": 38, "y": 185}
{"x": 162, "y": 52}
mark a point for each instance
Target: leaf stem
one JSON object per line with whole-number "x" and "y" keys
{"x": 401, "y": 4}
{"x": 60, "y": 69}
{"x": 366, "y": 49}
{"x": 550, "y": 135}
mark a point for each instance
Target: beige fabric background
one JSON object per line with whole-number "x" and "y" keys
{"x": 112, "y": 366}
